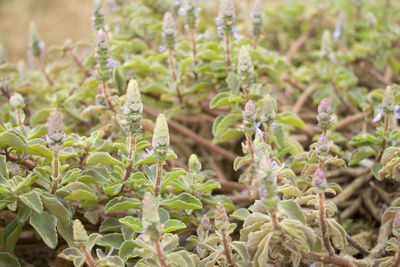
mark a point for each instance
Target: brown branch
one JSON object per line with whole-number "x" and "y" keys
{"x": 356, "y": 245}
{"x": 160, "y": 254}
{"x": 328, "y": 259}
{"x": 300, "y": 102}
{"x": 197, "y": 138}
{"x": 29, "y": 164}
{"x": 299, "y": 43}
{"x": 322, "y": 225}
{"x": 351, "y": 188}
{"x": 43, "y": 70}
{"x": 158, "y": 179}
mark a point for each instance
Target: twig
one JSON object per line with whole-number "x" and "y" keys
{"x": 29, "y": 164}
{"x": 158, "y": 179}
{"x": 366, "y": 196}
{"x": 160, "y": 254}
{"x": 89, "y": 259}
{"x": 197, "y": 138}
{"x": 77, "y": 61}
{"x": 328, "y": 259}
{"x": 301, "y": 100}
{"x": 299, "y": 43}
{"x": 43, "y": 70}
{"x": 351, "y": 188}
{"x": 226, "y": 248}
{"x": 173, "y": 73}
{"x": 351, "y": 119}
{"x": 355, "y": 205}
{"x": 356, "y": 245}
{"x": 228, "y": 52}
{"x": 384, "y": 232}
{"x": 322, "y": 225}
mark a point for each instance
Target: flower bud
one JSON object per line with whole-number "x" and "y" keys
{"x": 98, "y": 15}
{"x": 150, "y": 218}
{"x": 319, "y": 180}
{"x": 55, "y": 130}
{"x": 226, "y": 16}
{"x": 371, "y": 20}
{"x": 326, "y": 45}
{"x": 205, "y": 223}
{"x": 160, "y": 140}
{"x": 388, "y": 101}
{"x": 221, "y": 217}
{"x": 133, "y": 107}
{"x": 324, "y": 114}
{"x": 245, "y": 68}
{"x": 322, "y": 147}
{"x": 257, "y": 17}
{"x": 36, "y": 44}
{"x": 17, "y": 101}
{"x": 169, "y": 31}
{"x": 100, "y": 98}
{"x": 194, "y": 163}
{"x": 268, "y": 111}
{"x": 79, "y": 232}
{"x": 249, "y": 116}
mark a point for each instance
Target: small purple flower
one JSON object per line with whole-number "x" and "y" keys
{"x": 332, "y": 57}
{"x": 396, "y": 111}
{"x": 324, "y": 106}
{"x": 264, "y": 192}
{"x": 181, "y": 11}
{"x": 220, "y": 31}
{"x": 379, "y": 114}
{"x": 162, "y": 48}
{"x": 111, "y": 63}
{"x": 313, "y": 264}
{"x": 319, "y": 178}
{"x": 147, "y": 154}
{"x": 170, "y": 187}
{"x": 236, "y": 36}
{"x": 218, "y": 21}
{"x": 197, "y": 10}
{"x": 396, "y": 221}
{"x": 274, "y": 165}
{"x": 258, "y": 130}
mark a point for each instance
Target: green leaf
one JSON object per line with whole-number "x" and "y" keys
{"x": 225, "y": 122}
{"x": 13, "y": 139}
{"x": 102, "y": 158}
{"x": 45, "y": 225}
{"x": 364, "y": 139}
{"x": 126, "y": 249}
{"x": 32, "y": 200}
{"x": 3, "y": 170}
{"x": 183, "y": 201}
{"x": 289, "y": 190}
{"x": 240, "y": 214}
{"x": 110, "y": 224}
{"x": 7, "y": 260}
{"x": 132, "y": 222}
{"x": 361, "y": 153}
{"x": 233, "y": 82}
{"x": 173, "y": 225}
{"x": 113, "y": 240}
{"x": 279, "y": 136}
{"x": 290, "y": 119}
{"x": 292, "y": 209}
{"x": 10, "y": 234}
{"x": 122, "y": 203}
{"x": 40, "y": 150}
{"x": 224, "y": 99}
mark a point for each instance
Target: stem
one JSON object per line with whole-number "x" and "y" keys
{"x": 107, "y": 97}
{"x": 43, "y": 70}
{"x": 266, "y": 134}
{"x": 132, "y": 150}
{"x": 322, "y": 225}
{"x": 160, "y": 254}
{"x": 158, "y": 179}
{"x": 173, "y": 73}
{"x": 250, "y": 145}
{"x": 77, "y": 61}
{"x": 385, "y": 130}
{"x": 55, "y": 172}
{"x": 397, "y": 262}
{"x": 255, "y": 41}
{"x": 228, "y": 52}
{"x": 194, "y": 50}
{"x": 88, "y": 258}
{"x": 328, "y": 259}
{"x": 19, "y": 121}
{"x": 226, "y": 248}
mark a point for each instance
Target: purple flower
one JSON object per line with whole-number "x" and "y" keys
{"x": 319, "y": 178}
{"x": 264, "y": 192}
{"x": 219, "y": 31}
{"x": 218, "y": 21}
{"x": 396, "y": 111}
{"x": 111, "y": 63}
{"x": 396, "y": 221}
{"x": 332, "y": 57}
{"x": 379, "y": 114}
{"x": 181, "y": 11}
{"x": 162, "y": 48}
{"x": 324, "y": 106}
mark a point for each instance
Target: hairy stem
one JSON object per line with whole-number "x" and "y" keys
{"x": 158, "y": 178}
{"x": 77, "y": 61}
{"x": 397, "y": 261}
{"x": 173, "y": 73}
{"x": 88, "y": 258}
{"x": 250, "y": 145}
{"x": 255, "y": 41}
{"x": 107, "y": 97}
{"x": 328, "y": 259}
{"x": 194, "y": 50}
{"x": 43, "y": 70}
{"x": 55, "y": 172}
{"x": 384, "y": 143}
{"x": 226, "y": 248}
{"x": 322, "y": 225}
{"x": 228, "y": 52}
{"x": 19, "y": 120}
{"x": 160, "y": 254}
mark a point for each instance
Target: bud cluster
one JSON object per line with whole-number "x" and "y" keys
{"x": 322, "y": 147}
{"x": 324, "y": 114}
{"x": 133, "y": 107}
{"x": 245, "y": 68}
{"x": 100, "y": 97}
{"x": 326, "y": 46}
{"x": 249, "y": 116}
{"x": 169, "y": 31}
{"x": 388, "y": 101}
{"x": 55, "y": 130}
{"x": 257, "y": 17}
{"x": 104, "y": 64}
{"x": 191, "y": 13}
{"x": 17, "y": 101}
{"x": 319, "y": 180}
{"x": 266, "y": 183}
{"x": 150, "y": 218}
{"x": 160, "y": 140}
{"x": 268, "y": 110}
{"x": 36, "y": 45}
{"x": 221, "y": 217}
{"x": 194, "y": 163}
{"x": 98, "y": 15}
{"x": 226, "y": 17}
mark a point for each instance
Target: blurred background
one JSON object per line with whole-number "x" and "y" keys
{"x": 56, "y": 20}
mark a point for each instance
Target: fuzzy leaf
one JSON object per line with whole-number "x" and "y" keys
{"x": 45, "y": 225}
{"x": 183, "y": 201}
{"x": 102, "y": 158}
{"x": 293, "y": 209}
{"x": 7, "y": 260}
{"x": 122, "y": 203}
{"x": 32, "y": 200}
{"x": 361, "y": 153}
{"x": 12, "y": 139}
{"x": 240, "y": 214}
{"x": 173, "y": 225}
{"x": 132, "y": 222}
{"x": 290, "y": 119}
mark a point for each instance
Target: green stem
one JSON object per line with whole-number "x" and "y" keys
{"x": 173, "y": 73}
{"x": 228, "y": 52}
{"x": 55, "y": 172}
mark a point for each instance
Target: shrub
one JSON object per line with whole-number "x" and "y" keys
{"x": 260, "y": 121}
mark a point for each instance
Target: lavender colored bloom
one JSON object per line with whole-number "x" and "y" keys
{"x": 396, "y": 221}
{"x": 379, "y": 114}
{"x": 332, "y": 57}
{"x": 396, "y": 111}
{"x": 324, "y": 114}
{"x": 111, "y": 63}
{"x": 220, "y": 32}
{"x": 324, "y": 106}
{"x": 181, "y": 11}
{"x": 162, "y": 48}
{"x": 319, "y": 178}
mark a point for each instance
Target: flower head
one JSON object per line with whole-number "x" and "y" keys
{"x": 169, "y": 30}
{"x": 245, "y": 68}
{"x": 226, "y": 17}
{"x": 322, "y": 147}
{"x": 55, "y": 130}
{"x": 17, "y": 101}
{"x": 194, "y": 163}
{"x": 98, "y": 15}
{"x": 36, "y": 45}
{"x": 319, "y": 179}
{"x": 324, "y": 114}
{"x": 268, "y": 110}
{"x": 133, "y": 107}
{"x": 160, "y": 140}
{"x": 326, "y": 45}
{"x": 257, "y": 17}
{"x": 221, "y": 217}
